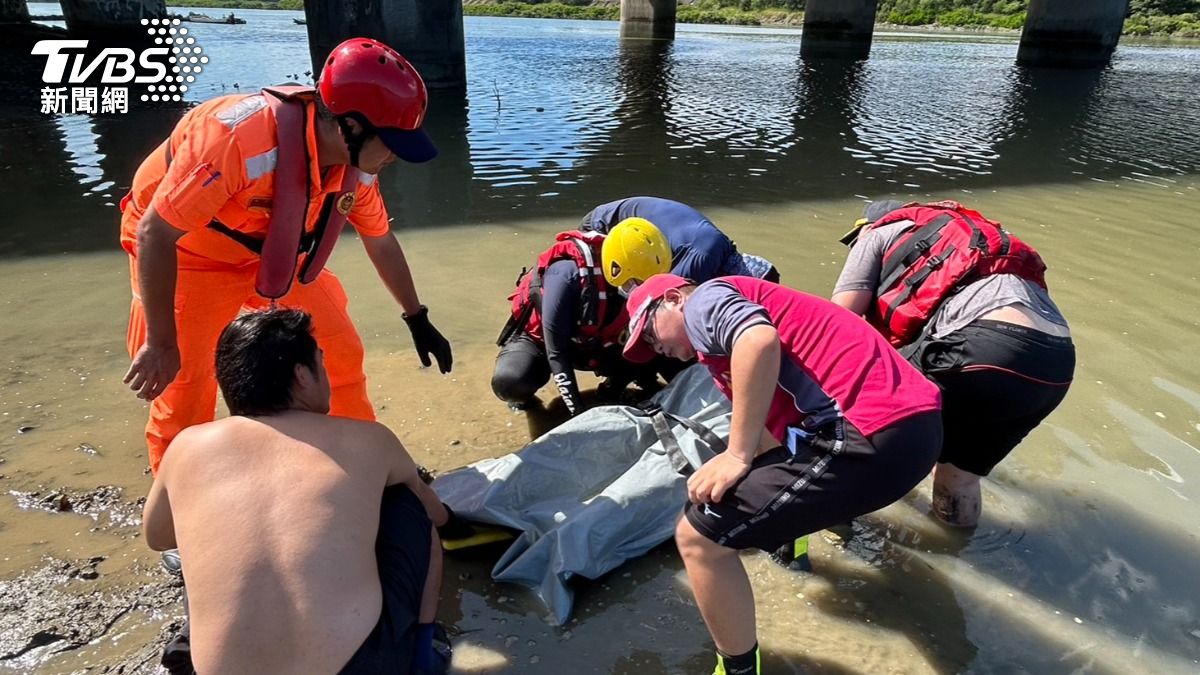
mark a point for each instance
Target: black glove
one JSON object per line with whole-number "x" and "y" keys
{"x": 428, "y": 341}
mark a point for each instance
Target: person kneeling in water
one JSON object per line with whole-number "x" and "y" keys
{"x": 307, "y": 540}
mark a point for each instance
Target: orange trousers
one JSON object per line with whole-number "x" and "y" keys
{"x": 207, "y": 298}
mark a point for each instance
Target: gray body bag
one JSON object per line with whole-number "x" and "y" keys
{"x": 602, "y": 488}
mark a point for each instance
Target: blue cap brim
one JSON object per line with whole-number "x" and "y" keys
{"x": 410, "y": 145}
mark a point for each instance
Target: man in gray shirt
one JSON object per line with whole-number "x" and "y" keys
{"x": 996, "y": 345}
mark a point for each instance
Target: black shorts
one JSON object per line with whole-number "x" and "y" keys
{"x": 835, "y": 476}
{"x": 402, "y": 549}
{"x": 998, "y": 382}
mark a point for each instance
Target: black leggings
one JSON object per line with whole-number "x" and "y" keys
{"x": 521, "y": 369}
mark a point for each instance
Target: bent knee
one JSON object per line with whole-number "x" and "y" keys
{"x": 512, "y": 386}
{"x": 691, "y": 542}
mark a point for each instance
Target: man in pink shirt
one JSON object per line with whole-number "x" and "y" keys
{"x": 829, "y": 423}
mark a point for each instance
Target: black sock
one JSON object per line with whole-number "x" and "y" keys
{"x": 741, "y": 664}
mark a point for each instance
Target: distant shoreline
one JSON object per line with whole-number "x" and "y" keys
{"x": 686, "y": 14}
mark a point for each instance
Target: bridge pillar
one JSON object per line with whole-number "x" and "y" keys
{"x": 838, "y": 28}
{"x": 429, "y": 33}
{"x": 13, "y": 11}
{"x": 1071, "y": 33}
{"x": 648, "y": 19}
{"x": 110, "y": 19}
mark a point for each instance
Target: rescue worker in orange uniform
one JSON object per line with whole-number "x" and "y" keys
{"x": 241, "y": 206}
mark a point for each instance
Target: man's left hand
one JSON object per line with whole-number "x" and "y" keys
{"x": 428, "y": 341}
{"x": 709, "y": 483}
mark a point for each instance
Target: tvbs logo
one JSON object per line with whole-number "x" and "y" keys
{"x": 120, "y": 65}
{"x": 165, "y": 69}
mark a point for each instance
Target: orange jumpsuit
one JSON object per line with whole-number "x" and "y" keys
{"x": 222, "y": 168}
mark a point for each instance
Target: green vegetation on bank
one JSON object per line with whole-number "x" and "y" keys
{"x": 543, "y": 10}
{"x": 1178, "y": 18}
{"x": 240, "y": 4}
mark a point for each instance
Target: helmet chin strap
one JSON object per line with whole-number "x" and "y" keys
{"x": 354, "y": 142}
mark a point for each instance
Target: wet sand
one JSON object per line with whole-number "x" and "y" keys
{"x": 1085, "y": 560}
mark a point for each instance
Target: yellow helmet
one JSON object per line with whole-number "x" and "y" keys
{"x": 634, "y": 250}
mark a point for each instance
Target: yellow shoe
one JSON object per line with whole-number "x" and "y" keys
{"x": 793, "y": 555}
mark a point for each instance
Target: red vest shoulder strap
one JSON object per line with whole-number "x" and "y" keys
{"x": 289, "y": 213}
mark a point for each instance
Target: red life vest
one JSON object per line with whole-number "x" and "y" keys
{"x": 946, "y": 247}
{"x": 584, "y": 249}
{"x": 285, "y": 235}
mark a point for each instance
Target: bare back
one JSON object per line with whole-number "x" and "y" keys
{"x": 276, "y": 520}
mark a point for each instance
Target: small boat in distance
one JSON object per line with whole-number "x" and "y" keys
{"x": 300, "y": 22}
{"x": 204, "y": 18}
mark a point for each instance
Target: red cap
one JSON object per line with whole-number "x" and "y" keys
{"x": 641, "y": 301}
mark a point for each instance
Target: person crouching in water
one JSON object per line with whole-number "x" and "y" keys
{"x": 565, "y": 316}
{"x": 829, "y": 423}
{"x": 967, "y": 303}
{"x": 307, "y": 541}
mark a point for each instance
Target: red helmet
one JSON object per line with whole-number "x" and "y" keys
{"x": 368, "y": 78}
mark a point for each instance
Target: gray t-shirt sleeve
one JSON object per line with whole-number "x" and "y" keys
{"x": 990, "y": 293}
{"x": 715, "y": 316}
{"x": 861, "y": 272}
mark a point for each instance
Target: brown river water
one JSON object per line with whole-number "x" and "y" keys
{"x": 1086, "y": 559}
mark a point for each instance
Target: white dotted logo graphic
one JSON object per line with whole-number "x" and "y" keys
{"x": 186, "y": 60}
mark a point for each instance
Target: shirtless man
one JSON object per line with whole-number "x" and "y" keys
{"x": 291, "y": 563}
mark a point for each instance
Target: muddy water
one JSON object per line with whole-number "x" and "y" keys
{"x": 1086, "y": 559}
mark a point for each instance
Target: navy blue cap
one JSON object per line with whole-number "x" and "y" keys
{"x": 410, "y": 145}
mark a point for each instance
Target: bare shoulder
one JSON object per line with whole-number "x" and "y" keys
{"x": 201, "y": 443}
{"x": 373, "y": 436}
{"x": 197, "y": 438}
{"x": 360, "y": 428}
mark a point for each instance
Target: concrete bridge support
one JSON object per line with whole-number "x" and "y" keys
{"x": 429, "y": 33}
{"x": 648, "y": 19}
{"x": 838, "y": 28}
{"x": 1071, "y": 33}
{"x": 13, "y": 11}
{"x": 110, "y": 19}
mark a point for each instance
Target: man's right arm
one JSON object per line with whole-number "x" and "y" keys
{"x": 157, "y": 362}
{"x": 207, "y": 168}
{"x": 855, "y": 287}
{"x": 403, "y": 470}
{"x": 560, "y": 299}
{"x": 158, "y": 523}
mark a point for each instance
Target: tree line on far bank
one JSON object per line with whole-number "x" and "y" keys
{"x": 1180, "y": 18}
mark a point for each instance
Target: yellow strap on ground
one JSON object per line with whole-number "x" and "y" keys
{"x": 483, "y": 534}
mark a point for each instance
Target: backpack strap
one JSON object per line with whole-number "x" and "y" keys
{"x": 911, "y": 250}
{"x": 670, "y": 444}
